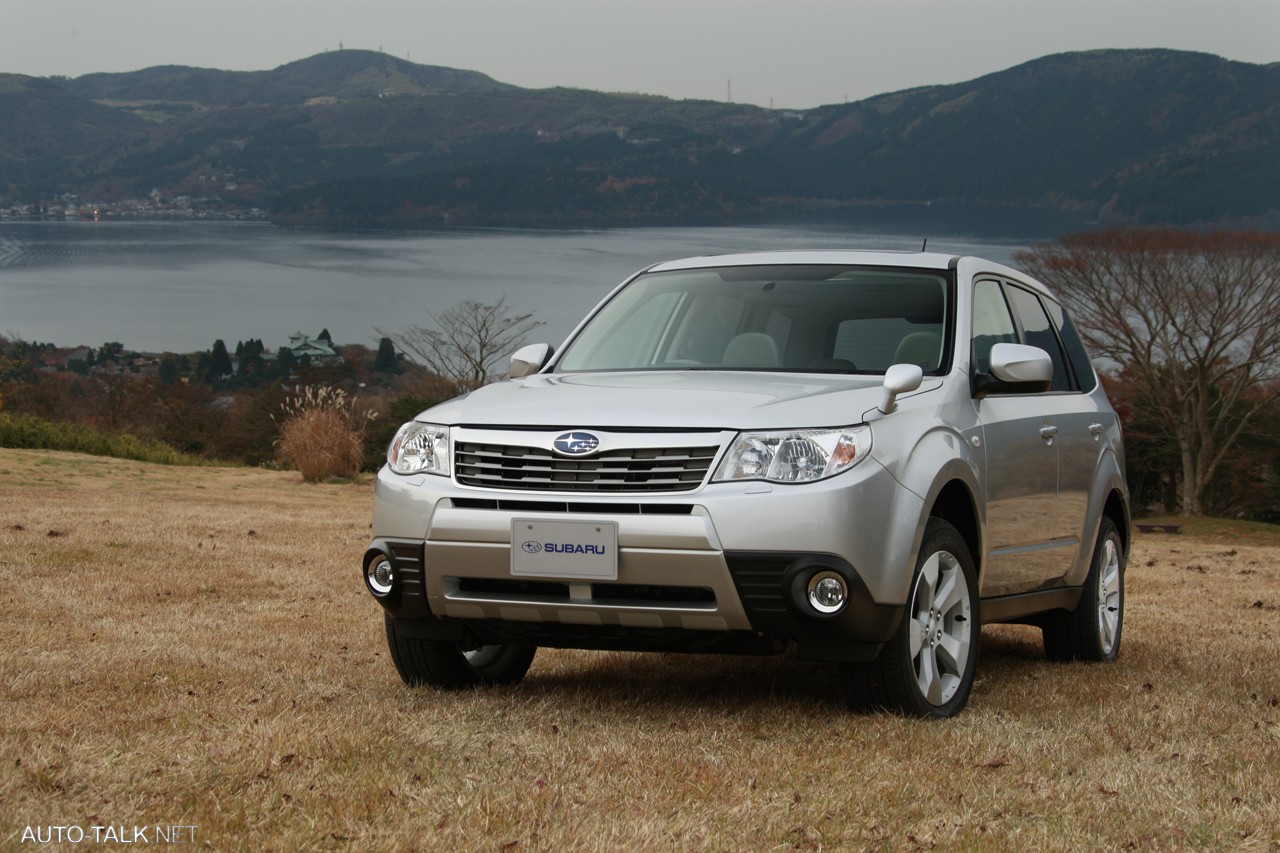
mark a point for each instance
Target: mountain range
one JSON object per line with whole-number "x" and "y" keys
{"x": 362, "y": 138}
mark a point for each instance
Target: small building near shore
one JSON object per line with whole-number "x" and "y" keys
{"x": 317, "y": 350}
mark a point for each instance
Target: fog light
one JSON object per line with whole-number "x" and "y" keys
{"x": 827, "y": 592}
{"x": 379, "y": 574}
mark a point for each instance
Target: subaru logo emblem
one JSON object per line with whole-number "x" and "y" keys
{"x": 576, "y": 443}
{"x": 532, "y": 547}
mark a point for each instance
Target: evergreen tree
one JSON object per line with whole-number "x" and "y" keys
{"x": 251, "y": 366}
{"x": 285, "y": 362}
{"x": 169, "y": 373}
{"x": 219, "y": 362}
{"x": 324, "y": 336}
{"x": 110, "y": 351}
{"x": 386, "y": 361}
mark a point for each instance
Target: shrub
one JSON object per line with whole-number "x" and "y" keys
{"x": 33, "y": 433}
{"x": 322, "y": 433}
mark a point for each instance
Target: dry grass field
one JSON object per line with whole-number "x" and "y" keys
{"x": 194, "y": 647}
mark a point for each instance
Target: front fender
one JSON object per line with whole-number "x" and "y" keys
{"x": 941, "y": 457}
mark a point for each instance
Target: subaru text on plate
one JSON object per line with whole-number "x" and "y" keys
{"x": 862, "y": 456}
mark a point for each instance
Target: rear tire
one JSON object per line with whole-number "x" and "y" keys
{"x": 927, "y": 668}
{"x": 443, "y": 664}
{"x": 1092, "y": 631}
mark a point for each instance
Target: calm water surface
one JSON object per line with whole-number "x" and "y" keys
{"x": 179, "y": 286}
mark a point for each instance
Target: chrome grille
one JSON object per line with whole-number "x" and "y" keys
{"x": 654, "y": 469}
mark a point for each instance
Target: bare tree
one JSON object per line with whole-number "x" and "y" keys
{"x": 1193, "y": 317}
{"x": 466, "y": 342}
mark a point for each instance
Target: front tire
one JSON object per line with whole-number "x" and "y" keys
{"x": 443, "y": 664}
{"x": 927, "y": 668}
{"x": 1092, "y": 631}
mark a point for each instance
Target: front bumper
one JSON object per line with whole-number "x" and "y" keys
{"x": 721, "y": 568}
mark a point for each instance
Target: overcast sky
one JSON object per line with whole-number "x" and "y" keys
{"x": 784, "y": 53}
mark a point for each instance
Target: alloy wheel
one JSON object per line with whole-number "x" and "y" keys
{"x": 941, "y": 630}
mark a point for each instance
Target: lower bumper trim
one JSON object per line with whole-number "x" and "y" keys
{"x": 773, "y": 589}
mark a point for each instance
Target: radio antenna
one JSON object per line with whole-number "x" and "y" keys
{"x": 924, "y": 244}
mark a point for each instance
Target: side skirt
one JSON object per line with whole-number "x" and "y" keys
{"x": 1017, "y": 608}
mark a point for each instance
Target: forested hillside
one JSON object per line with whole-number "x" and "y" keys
{"x": 358, "y": 137}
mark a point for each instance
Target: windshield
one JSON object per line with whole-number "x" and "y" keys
{"x": 795, "y": 318}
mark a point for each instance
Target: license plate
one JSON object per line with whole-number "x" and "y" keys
{"x": 564, "y": 549}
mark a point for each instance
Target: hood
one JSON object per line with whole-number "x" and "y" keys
{"x": 666, "y": 399}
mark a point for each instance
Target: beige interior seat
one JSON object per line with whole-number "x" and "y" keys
{"x": 751, "y": 349}
{"x": 922, "y": 348}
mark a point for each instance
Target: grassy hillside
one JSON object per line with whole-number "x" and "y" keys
{"x": 194, "y": 646}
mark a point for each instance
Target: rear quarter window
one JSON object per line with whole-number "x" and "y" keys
{"x": 1076, "y": 353}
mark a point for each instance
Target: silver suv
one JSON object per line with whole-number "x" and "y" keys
{"x": 862, "y": 456}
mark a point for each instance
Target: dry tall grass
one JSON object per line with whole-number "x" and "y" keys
{"x": 194, "y": 647}
{"x": 322, "y": 434}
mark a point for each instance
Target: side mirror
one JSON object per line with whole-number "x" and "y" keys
{"x": 1021, "y": 363}
{"x": 1015, "y": 369}
{"x": 529, "y": 360}
{"x": 899, "y": 379}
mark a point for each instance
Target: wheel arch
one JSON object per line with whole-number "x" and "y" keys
{"x": 944, "y": 470}
{"x": 956, "y": 505}
{"x": 1109, "y": 498}
{"x": 1116, "y": 508}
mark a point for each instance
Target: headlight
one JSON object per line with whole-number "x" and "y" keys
{"x": 420, "y": 448}
{"x": 795, "y": 456}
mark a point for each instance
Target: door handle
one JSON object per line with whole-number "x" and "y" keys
{"x": 1048, "y": 432}
{"x": 1096, "y": 429}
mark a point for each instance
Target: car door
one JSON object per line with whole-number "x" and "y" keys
{"x": 1021, "y": 463}
{"x": 1082, "y": 428}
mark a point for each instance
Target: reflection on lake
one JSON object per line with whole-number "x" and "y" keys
{"x": 157, "y": 286}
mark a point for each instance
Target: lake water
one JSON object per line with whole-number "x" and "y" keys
{"x": 178, "y": 286}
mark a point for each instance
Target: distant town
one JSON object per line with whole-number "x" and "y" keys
{"x": 69, "y": 207}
